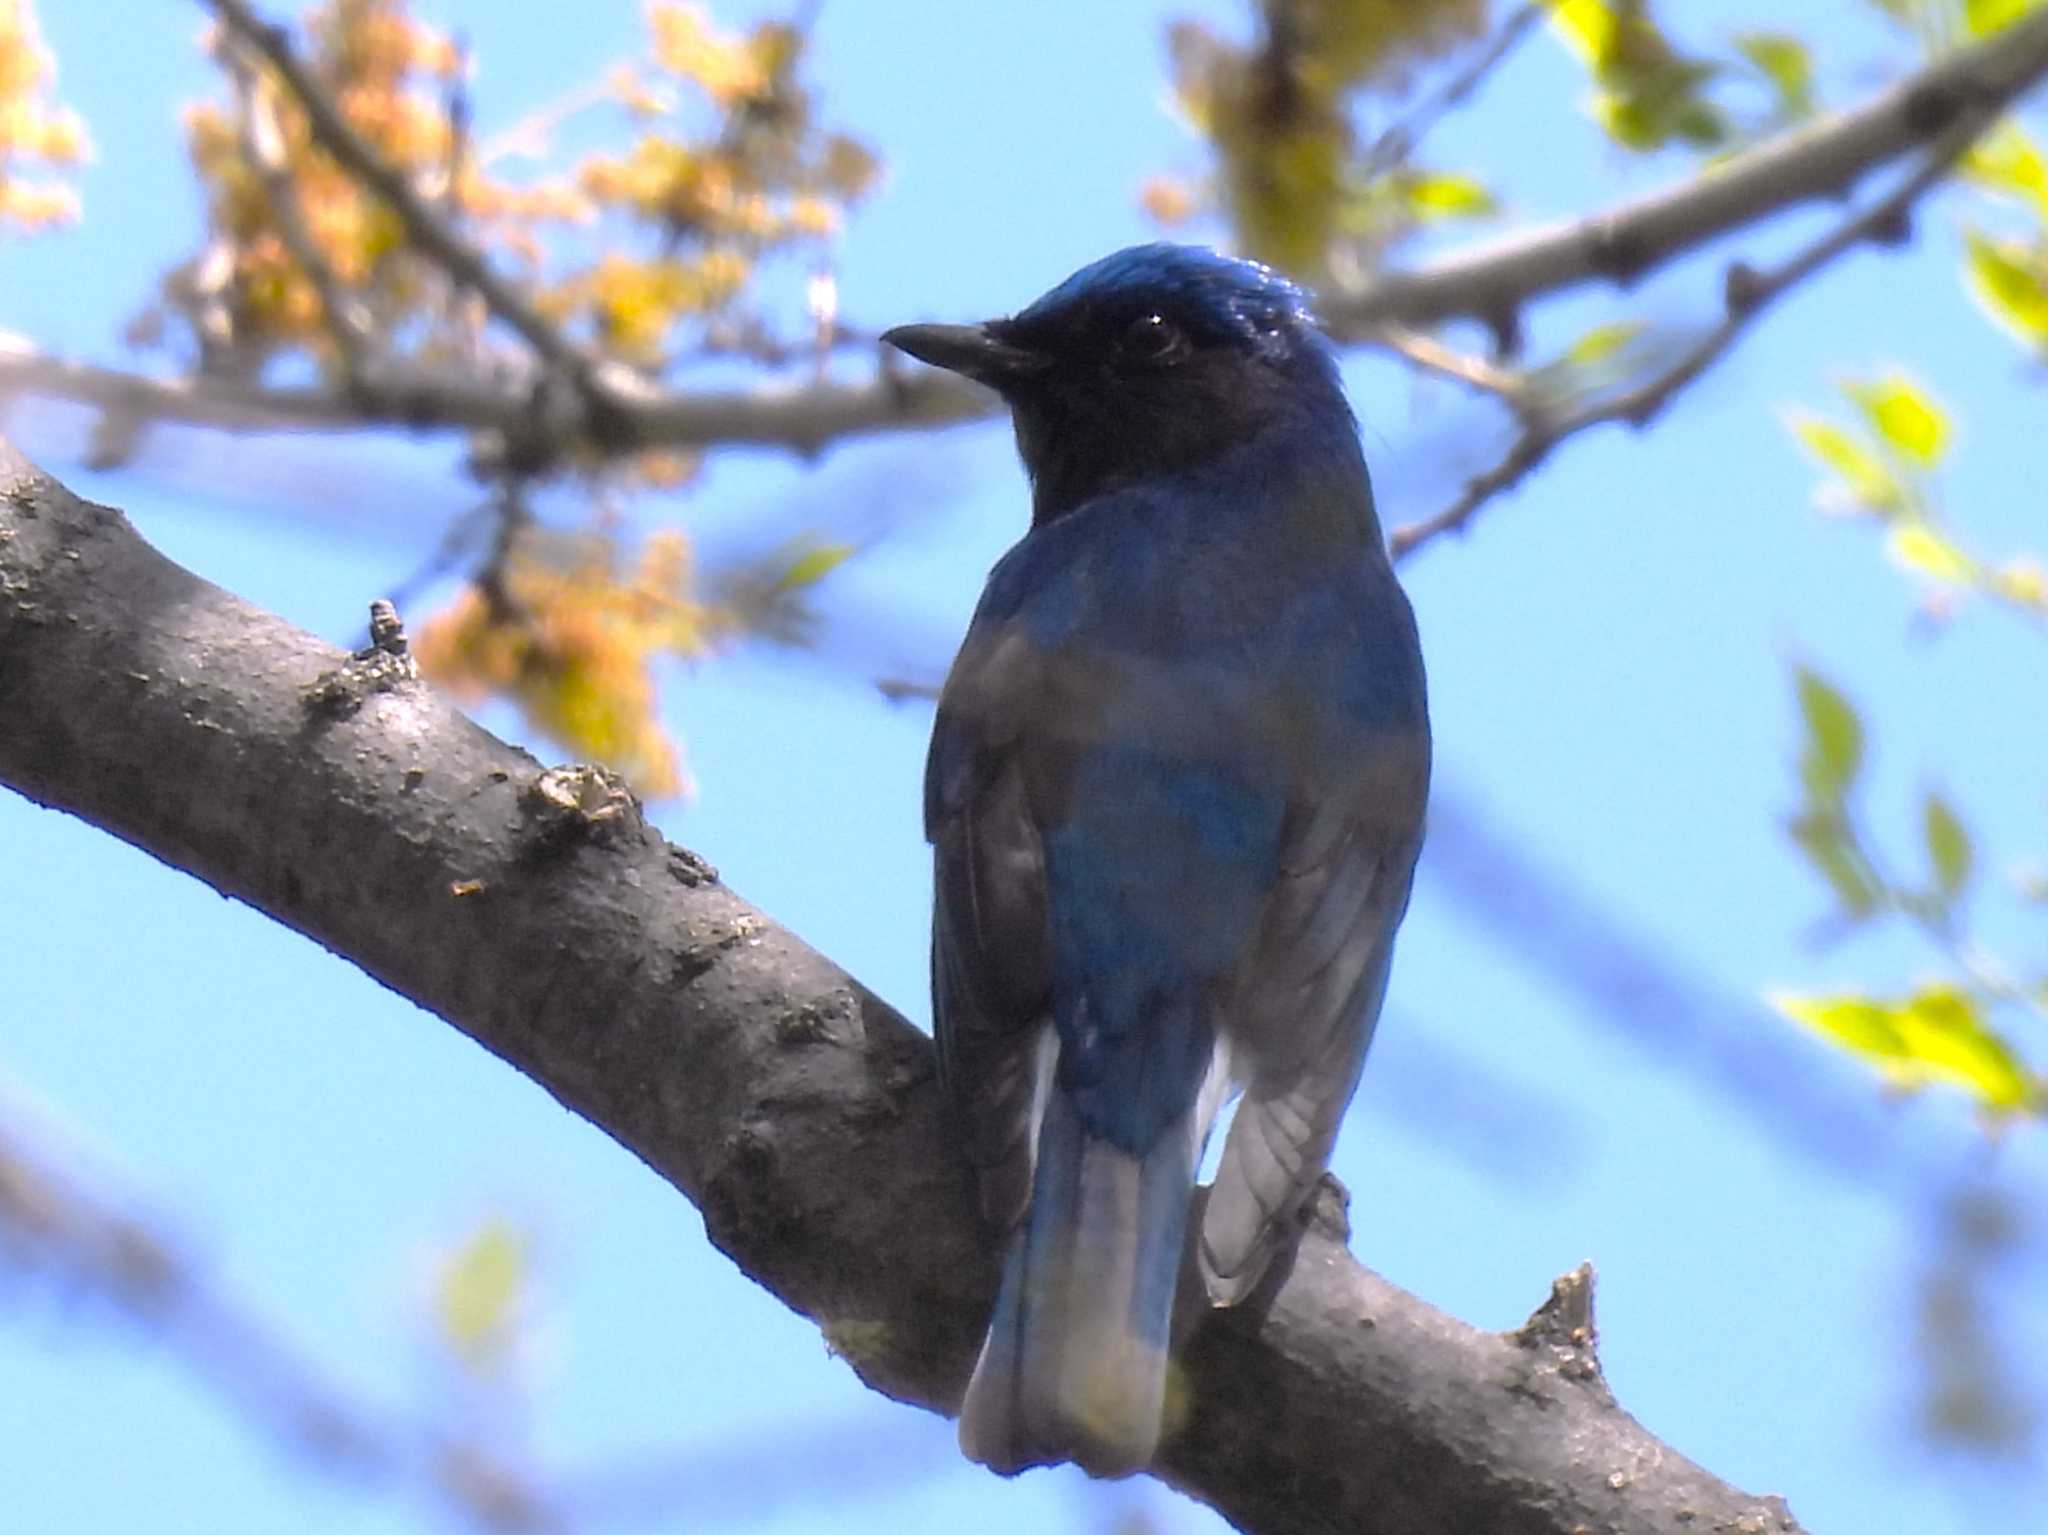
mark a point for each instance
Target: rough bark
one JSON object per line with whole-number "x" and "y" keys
{"x": 536, "y": 911}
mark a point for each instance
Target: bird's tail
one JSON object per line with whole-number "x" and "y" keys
{"x": 1075, "y": 1365}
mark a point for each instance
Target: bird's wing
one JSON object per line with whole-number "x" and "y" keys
{"x": 990, "y": 966}
{"x": 1304, "y": 1002}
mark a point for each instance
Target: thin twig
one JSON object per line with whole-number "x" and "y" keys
{"x": 263, "y": 145}
{"x": 1747, "y": 293}
{"x": 1467, "y": 368}
{"x": 1400, "y": 139}
{"x": 428, "y": 232}
{"x": 1493, "y": 282}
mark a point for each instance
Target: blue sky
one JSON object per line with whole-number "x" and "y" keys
{"x": 1609, "y": 654}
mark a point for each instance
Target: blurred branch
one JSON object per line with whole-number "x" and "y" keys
{"x": 1790, "y": 1089}
{"x": 433, "y": 237}
{"x": 1399, "y": 140}
{"x": 539, "y": 913}
{"x": 1492, "y": 283}
{"x": 1747, "y": 292}
{"x": 50, "y": 1222}
{"x": 263, "y": 144}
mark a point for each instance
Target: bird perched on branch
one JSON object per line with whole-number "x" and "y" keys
{"x": 1175, "y": 795}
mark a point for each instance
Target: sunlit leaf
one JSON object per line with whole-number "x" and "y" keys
{"x": 2010, "y": 280}
{"x": 479, "y": 1291}
{"x": 1948, "y": 845}
{"x": 1650, "y": 93}
{"x": 1902, "y": 415}
{"x": 1919, "y": 547}
{"x": 813, "y": 564}
{"x": 1604, "y": 341}
{"x": 1440, "y": 195}
{"x": 1870, "y": 482}
{"x": 2009, "y": 162}
{"x": 1937, "y": 1034}
{"x": 1833, "y": 753}
{"x": 1987, "y": 16}
{"x": 2023, "y": 581}
{"x": 1946, "y": 1037}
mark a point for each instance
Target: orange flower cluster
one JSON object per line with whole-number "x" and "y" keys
{"x": 35, "y": 133}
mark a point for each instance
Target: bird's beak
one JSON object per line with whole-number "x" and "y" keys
{"x": 968, "y": 350}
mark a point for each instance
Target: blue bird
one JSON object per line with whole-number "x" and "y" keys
{"x": 1175, "y": 795}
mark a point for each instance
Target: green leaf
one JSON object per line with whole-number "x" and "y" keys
{"x": 2010, "y": 279}
{"x": 1919, "y": 546}
{"x": 1871, "y": 482}
{"x": 1834, "y": 736}
{"x": 1826, "y": 841}
{"x": 1901, "y": 414}
{"x": 1785, "y": 61}
{"x": 1986, "y": 16}
{"x": 1948, "y": 845}
{"x": 1649, "y": 93}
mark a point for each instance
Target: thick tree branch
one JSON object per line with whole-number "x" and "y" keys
{"x": 1493, "y": 282}
{"x": 536, "y": 911}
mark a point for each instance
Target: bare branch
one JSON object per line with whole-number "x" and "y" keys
{"x": 805, "y": 416}
{"x": 539, "y": 913}
{"x": 1822, "y": 159}
{"x": 50, "y": 1221}
{"x": 263, "y": 143}
{"x": 1399, "y": 140}
{"x": 464, "y": 263}
{"x": 1747, "y": 293}
{"x": 1492, "y": 282}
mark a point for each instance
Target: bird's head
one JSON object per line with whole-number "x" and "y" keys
{"x": 1147, "y": 362}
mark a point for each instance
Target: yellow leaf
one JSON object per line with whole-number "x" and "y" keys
{"x": 2022, "y": 581}
{"x": 1935, "y": 1035}
{"x": 1437, "y": 195}
{"x": 2010, "y": 280}
{"x": 1987, "y": 16}
{"x": 479, "y": 1291}
{"x": 1917, "y": 546}
{"x": 1604, "y": 341}
{"x": 1871, "y": 482}
{"x": 2009, "y": 162}
{"x": 1903, "y": 415}
{"x": 1945, "y": 1038}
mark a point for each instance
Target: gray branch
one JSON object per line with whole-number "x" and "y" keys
{"x": 537, "y": 912}
{"x": 1823, "y": 159}
{"x": 1492, "y": 282}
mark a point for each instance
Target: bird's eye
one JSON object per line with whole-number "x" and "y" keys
{"x": 1152, "y": 339}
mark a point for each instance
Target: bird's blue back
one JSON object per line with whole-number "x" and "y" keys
{"x": 1193, "y": 618}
